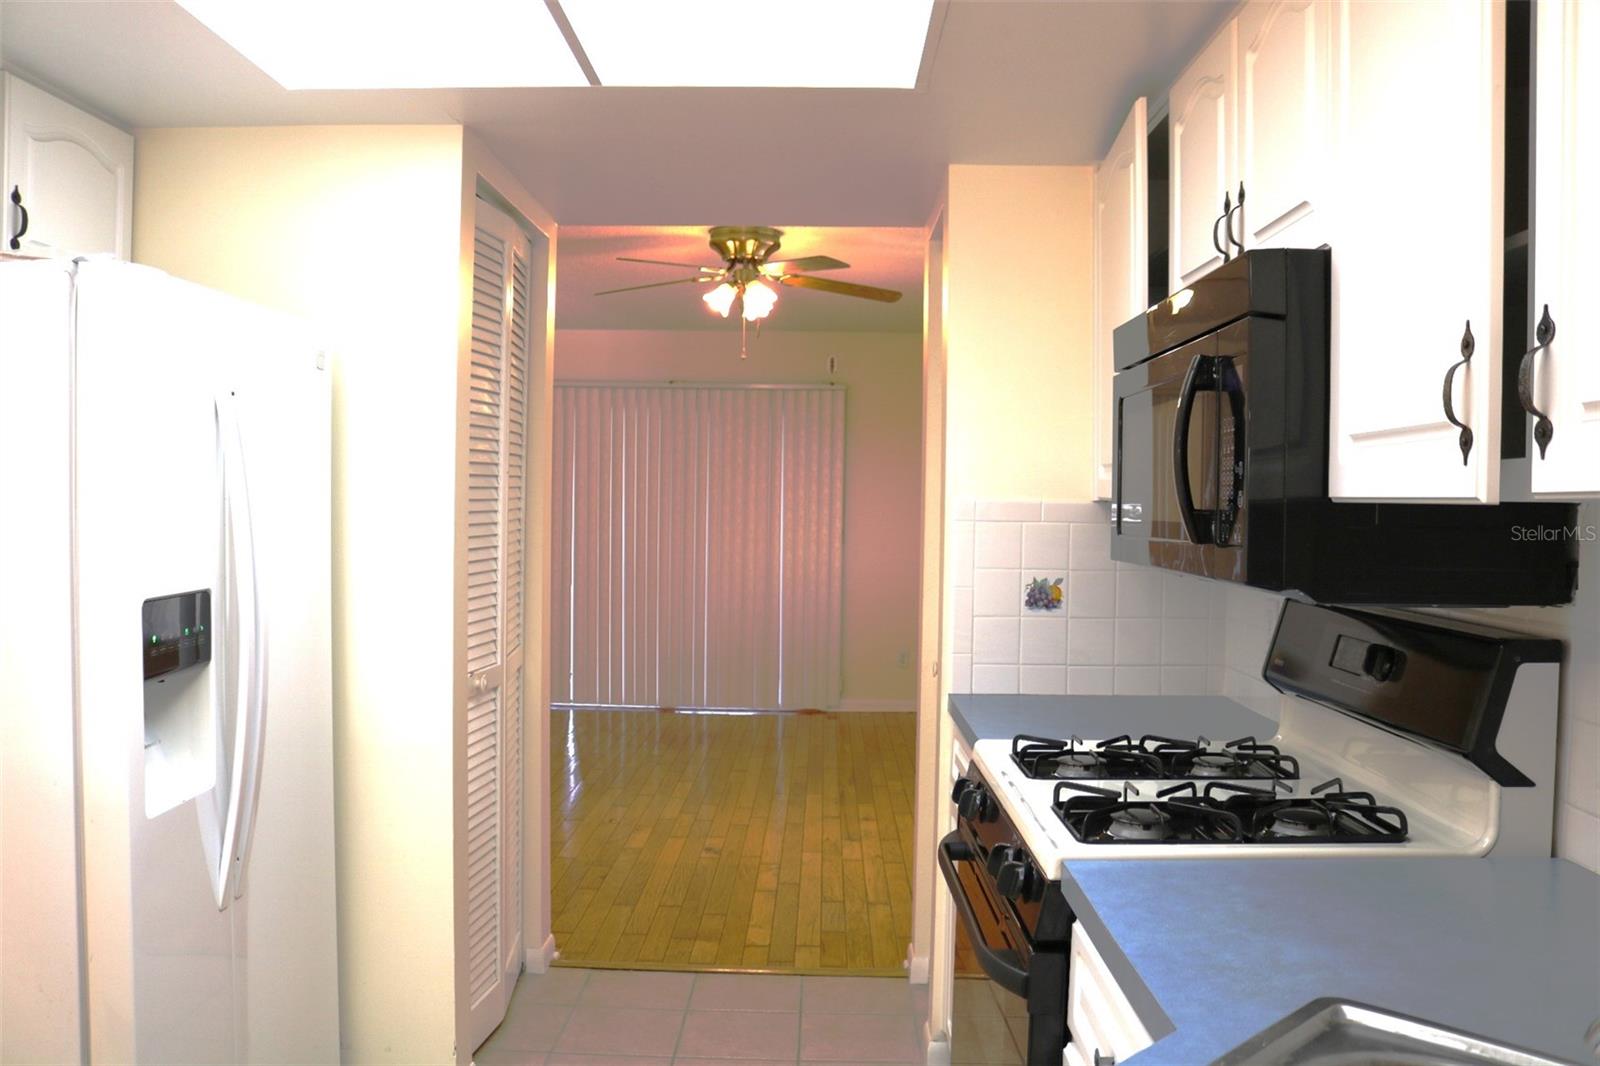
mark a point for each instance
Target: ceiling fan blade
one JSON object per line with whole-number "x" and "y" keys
{"x": 810, "y": 262}
{"x": 656, "y": 285}
{"x": 664, "y": 263}
{"x": 843, "y": 288}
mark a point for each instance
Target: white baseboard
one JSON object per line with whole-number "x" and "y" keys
{"x": 848, "y": 706}
{"x": 936, "y": 1047}
{"x": 538, "y": 960}
{"x": 917, "y": 969}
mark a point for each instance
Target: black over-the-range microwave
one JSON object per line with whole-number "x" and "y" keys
{"x": 1221, "y": 460}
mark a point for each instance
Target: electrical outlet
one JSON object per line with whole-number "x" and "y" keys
{"x": 903, "y": 659}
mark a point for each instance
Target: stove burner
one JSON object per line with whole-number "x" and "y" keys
{"x": 1075, "y": 764}
{"x": 1216, "y": 764}
{"x": 1138, "y": 823}
{"x": 1301, "y": 822}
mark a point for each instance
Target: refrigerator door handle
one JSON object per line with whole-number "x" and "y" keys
{"x": 243, "y": 582}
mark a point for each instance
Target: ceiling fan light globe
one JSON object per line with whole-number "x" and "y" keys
{"x": 720, "y": 299}
{"x": 759, "y": 299}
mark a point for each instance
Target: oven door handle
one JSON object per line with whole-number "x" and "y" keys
{"x": 1198, "y": 376}
{"x": 1001, "y": 964}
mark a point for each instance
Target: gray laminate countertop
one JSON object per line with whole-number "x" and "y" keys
{"x": 1210, "y": 952}
{"x": 982, "y": 717}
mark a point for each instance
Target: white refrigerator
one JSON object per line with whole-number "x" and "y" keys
{"x": 166, "y": 765}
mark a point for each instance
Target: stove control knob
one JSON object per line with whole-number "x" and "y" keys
{"x": 999, "y": 855}
{"x": 1016, "y": 880}
{"x": 960, "y": 789}
{"x": 975, "y": 804}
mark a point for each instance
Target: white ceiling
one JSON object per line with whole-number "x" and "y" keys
{"x": 1012, "y": 81}
{"x": 886, "y": 257}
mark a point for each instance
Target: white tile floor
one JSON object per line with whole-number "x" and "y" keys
{"x": 575, "y": 1017}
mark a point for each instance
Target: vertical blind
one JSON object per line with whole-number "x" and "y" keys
{"x": 697, "y": 540}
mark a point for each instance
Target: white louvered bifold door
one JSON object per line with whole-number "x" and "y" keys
{"x": 496, "y": 416}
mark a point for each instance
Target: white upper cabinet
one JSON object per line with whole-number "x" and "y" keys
{"x": 1563, "y": 375}
{"x": 1201, "y": 112}
{"x": 1121, "y": 243}
{"x": 68, "y": 178}
{"x": 1284, "y": 115}
{"x": 1417, "y": 251}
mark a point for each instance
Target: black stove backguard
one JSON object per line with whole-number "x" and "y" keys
{"x": 1220, "y": 437}
{"x": 1445, "y": 685}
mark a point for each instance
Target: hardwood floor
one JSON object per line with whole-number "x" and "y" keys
{"x": 775, "y": 842}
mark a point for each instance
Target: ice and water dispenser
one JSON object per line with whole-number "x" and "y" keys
{"x": 180, "y": 700}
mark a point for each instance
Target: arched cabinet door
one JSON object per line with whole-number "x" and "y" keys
{"x": 1285, "y": 111}
{"x": 68, "y": 185}
{"x": 1562, "y": 367}
{"x": 1418, "y": 154}
{"x": 1202, "y": 119}
{"x": 1121, "y": 265}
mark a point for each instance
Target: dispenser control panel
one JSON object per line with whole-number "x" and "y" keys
{"x": 177, "y": 632}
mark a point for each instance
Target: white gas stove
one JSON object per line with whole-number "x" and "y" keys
{"x": 1396, "y": 737}
{"x": 1330, "y": 782}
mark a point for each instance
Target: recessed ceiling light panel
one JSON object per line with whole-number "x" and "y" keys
{"x": 825, "y": 44}
{"x": 395, "y": 44}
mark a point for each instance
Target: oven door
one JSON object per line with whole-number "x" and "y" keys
{"x": 1180, "y": 422}
{"x": 1001, "y": 947}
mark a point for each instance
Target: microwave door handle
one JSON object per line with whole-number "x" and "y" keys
{"x": 1193, "y": 380}
{"x": 1228, "y": 510}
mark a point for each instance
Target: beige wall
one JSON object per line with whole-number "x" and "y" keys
{"x": 357, "y": 229}
{"x": 1020, "y": 254}
{"x": 882, "y": 534}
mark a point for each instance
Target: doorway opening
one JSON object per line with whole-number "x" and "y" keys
{"x": 734, "y": 628}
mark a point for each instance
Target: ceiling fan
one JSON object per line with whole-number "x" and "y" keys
{"x": 748, "y": 273}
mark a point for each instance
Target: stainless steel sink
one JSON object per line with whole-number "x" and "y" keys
{"x": 1336, "y": 1032}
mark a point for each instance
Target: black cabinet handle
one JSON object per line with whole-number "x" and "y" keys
{"x": 1467, "y": 346}
{"x": 1227, "y": 230}
{"x": 1221, "y": 244}
{"x": 22, "y": 219}
{"x": 1543, "y": 430}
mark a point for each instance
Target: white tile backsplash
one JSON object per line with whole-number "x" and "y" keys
{"x": 1138, "y": 681}
{"x": 1045, "y": 546}
{"x": 961, "y": 605}
{"x": 1090, "y": 680}
{"x": 1091, "y": 641}
{"x": 1000, "y": 680}
{"x": 997, "y": 544}
{"x": 1131, "y": 627}
{"x": 996, "y": 593}
{"x": 1093, "y": 594}
{"x": 1042, "y": 680}
{"x": 1138, "y": 642}
{"x": 1091, "y": 546}
{"x": 1184, "y": 642}
{"x": 1140, "y": 593}
{"x": 994, "y": 642}
{"x": 1044, "y": 641}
